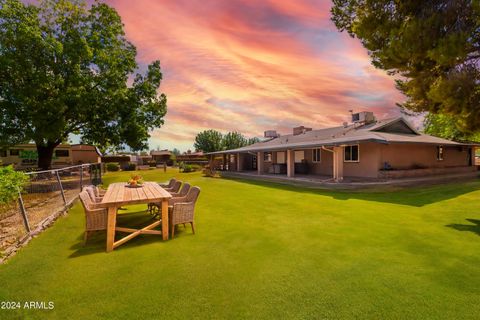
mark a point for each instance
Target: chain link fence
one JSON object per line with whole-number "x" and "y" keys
{"x": 47, "y": 195}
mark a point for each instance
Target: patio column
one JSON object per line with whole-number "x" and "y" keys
{"x": 239, "y": 162}
{"x": 260, "y": 162}
{"x": 338, "y": 164}
{"x": 290, "y": 163}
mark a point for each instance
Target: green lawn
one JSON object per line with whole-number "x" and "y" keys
{"x": 265, "y": 250}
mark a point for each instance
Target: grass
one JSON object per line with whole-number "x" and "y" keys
{"x": 265, "y": 250}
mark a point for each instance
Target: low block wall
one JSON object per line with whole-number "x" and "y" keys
{"x": 410, "y": 173}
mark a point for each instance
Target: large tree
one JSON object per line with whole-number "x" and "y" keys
{"x": 234, "y": 140}
{"x": 432, "y": 46}
{"x": 67, "y": 68}
{"x": 446, "y": 127}
{"x": 209, "y": 141}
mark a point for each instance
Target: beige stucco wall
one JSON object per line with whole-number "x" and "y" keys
{"x": 324, "y": 167}
{"x": 410, "y": 156}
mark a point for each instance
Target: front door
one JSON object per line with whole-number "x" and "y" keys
{"x": 254, "y": 162}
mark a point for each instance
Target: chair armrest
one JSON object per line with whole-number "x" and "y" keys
{"x": 97, "y": 210}
{"x": 174, "y": 200}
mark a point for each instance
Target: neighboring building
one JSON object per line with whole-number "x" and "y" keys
{"x": 84, "y": 153}
{"x": 26, "y": 156}
{"x": 368, "y": 148}
{"x": 189, "y": 157}
{"x": 143, "y": 160}
{"x": 161, "y": 156}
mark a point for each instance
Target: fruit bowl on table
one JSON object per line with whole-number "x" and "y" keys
{"x": 137, "y": 185}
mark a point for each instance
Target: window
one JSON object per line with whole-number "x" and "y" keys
{"x": 3, "y": 153}
{"x": 351, "y": 153}
{"x": 15, "y": 152}
{"x": 267, "y": 157}
{"x": 281, "y": 157}
{"x": 317, "y": 155}
{"x": 299, "y": 156}
{"x": 61, "y": 153}
{"x": 439, "y": 153}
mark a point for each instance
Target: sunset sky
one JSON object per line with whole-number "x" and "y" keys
{"x": 249, "y": 66}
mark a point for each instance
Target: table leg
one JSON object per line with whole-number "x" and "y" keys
{"x": 111, "y": 222}
{"x": 165, "y": 219}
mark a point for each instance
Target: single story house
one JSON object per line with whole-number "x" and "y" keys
{"x": 366, "y": 148}
{"x": 24, "y": 156}
{"x": 85, "y": 153}
{"x": 189, "y": 157}
{"x": 161, "y": 156}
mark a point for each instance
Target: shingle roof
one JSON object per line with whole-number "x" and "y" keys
{"x": 353, "y": 133}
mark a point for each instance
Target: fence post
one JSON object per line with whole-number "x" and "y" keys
{"x": 99, "y": 168}
{"x": 61, "y": 188}
{"x": 81, "y": 177}
{"x": 23, "y": 212}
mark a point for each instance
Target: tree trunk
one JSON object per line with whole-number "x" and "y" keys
{"x": 45, "y": 155}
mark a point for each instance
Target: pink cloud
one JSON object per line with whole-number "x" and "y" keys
{"x": 253, "y": 65}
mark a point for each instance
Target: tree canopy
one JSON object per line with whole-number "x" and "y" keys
{"x": 67, "y": 68}
{"x": 446, "y": 127}
{"x": 209, "y": 141}
{"x": 234, "y": 140}
{"x": 212, "y": 140}
{"x": 432, "y": 46}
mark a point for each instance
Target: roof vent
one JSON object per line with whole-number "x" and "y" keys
{"x": 364, "y": 117}
{"x": 271, "y": 134}
{"x": 300, "y": 130}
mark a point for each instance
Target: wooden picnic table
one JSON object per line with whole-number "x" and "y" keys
{"x": 118, "y": 195}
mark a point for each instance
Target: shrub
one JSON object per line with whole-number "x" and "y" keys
{"x": 196, "y": 167}
{"x": 188, "y": 168}
{"x": 130, "y": 166}
{"x": 112, "y": 166}
{"x": 152, "y": 163}
{"x": 11, "y": 182}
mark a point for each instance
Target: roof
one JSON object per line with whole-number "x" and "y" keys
{"x": 160, "y": 153}
{"x": 85, "y": 147}
{"x": 392, "y": 130}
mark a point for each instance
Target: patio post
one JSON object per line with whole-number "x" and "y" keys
{"x": 338, "y": 164}
{"x": 260, "y": 162}
{"x": 239, "y": 162}
{"x": 290, "y": 163}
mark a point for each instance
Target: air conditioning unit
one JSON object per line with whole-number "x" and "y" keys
{"x": 271, "y": 134}
{"x": 364, "y": 117}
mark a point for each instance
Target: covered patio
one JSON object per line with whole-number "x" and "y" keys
{"x": 323, "y": 163}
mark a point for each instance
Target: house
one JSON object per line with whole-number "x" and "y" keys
{"x": 85, "y": 153}
{"x": 366, "y": 148}
{"x": 161, "y": 156}
{"x": 24, "y": 156}
{"x": 189, "y": 157}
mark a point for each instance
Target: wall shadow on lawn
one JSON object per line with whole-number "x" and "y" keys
{"x": 417, "y": 196}
{"x": 475, "y": 227}
{"x": 130, "y": 219}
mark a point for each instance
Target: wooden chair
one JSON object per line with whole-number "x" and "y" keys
{"x": 92, "y": 194}
{"x": 99, "y": 192}
{"x": 95, "y": 218}
{"x": 183, "y": 209}
{"x": 169, "y": 184}
{"x": 175, "y": 187}
{"x": 182, "y": 192}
